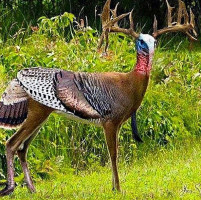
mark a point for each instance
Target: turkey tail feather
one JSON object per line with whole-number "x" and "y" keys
{"x": 13, "y": 106}
{"x": 7, "y": 119}
{"x": 135, "y": 133}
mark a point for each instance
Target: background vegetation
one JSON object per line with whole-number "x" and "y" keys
{"x": 20, "y": 14}
{"x": 171, "y": 109}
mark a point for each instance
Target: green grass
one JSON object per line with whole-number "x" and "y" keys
{"x": 172, "y": 172}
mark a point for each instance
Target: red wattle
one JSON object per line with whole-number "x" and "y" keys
{"x": 143, "y": 65}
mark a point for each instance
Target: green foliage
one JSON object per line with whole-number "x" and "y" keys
{"x": 171, "y": 172}
{"x": 55, "y": 26}
{"x": 171, "y": 107}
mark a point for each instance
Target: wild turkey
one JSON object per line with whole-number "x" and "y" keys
{"x": 106, "y": 99}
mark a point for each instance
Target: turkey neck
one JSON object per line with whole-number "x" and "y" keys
{"x": 143, "y": 65}
{"x": 139, "y": 78}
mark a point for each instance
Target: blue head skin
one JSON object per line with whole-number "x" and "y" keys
{"x": 145, "y": 44}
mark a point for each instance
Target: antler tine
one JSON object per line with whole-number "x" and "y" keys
{"x": 105, "y": 15}
{"x": 131, "y": 20}
{"x": 192, "y": 22}
{"x": 130, "y": 31}
{"x": 186, "y": 27}
{"x": 169, "y": 13}
{"x": 179, "y": 15}
{"x": 114, "y": 13}
{"x": 111, "y": 25}
{"x": 182, "y": 12}
{"x": 105, "y": 18}
{"x": 114, "y": 21}
{"x": 107, "y": 23}
{"x": 155, "y": 25}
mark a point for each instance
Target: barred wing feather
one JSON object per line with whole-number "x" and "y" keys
{"x": 83, "y": 93}
{"x": 71, "y": 97}
{"x": 38, "y": 83}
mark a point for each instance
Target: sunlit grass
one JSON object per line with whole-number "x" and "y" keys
{"x": 173, "y": 172}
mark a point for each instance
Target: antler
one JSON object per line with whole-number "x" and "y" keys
{"x": 186, "y": 27}
{"x": 111, "y": 24}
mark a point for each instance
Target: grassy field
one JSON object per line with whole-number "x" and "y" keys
{"x": 172, "y": 172}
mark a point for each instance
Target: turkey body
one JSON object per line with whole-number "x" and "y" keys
{"x": 88, "y": 97}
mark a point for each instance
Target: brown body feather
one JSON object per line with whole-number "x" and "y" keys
{"x": 122, "y": 92}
